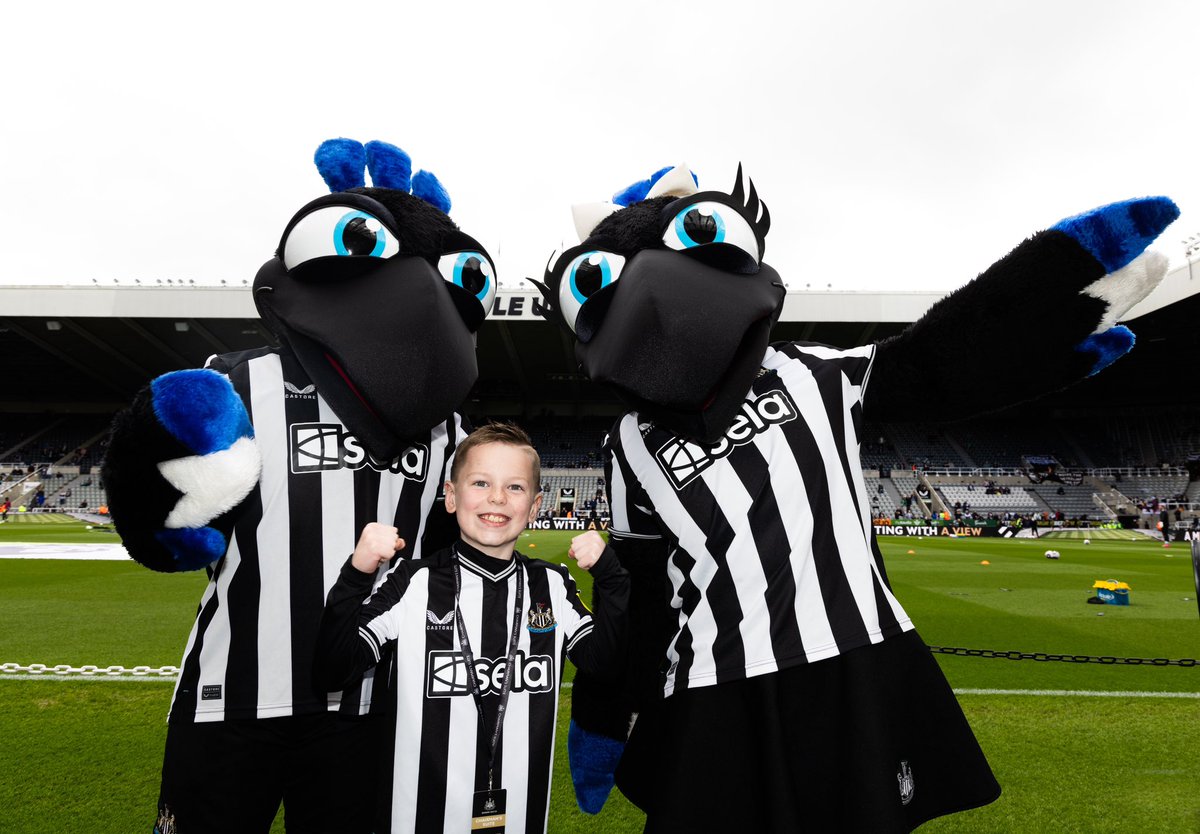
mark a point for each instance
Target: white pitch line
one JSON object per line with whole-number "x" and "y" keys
{"x": 1076, "y": 693}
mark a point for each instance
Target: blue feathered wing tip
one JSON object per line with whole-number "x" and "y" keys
{"x": 1108, "y": 346}
{"x": 193, "y": 547}
{"x": 341, "y": 163}
{"x": 200, "y": 408}
{"x": 593, "y": 759}
{"x": 1117, "y": 233}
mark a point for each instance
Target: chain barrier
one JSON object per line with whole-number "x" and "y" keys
{"x": 1107, "y": 660}
{"x": 89, "y": 671}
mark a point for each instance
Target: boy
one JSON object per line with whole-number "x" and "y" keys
{"x": 474, "y": 637}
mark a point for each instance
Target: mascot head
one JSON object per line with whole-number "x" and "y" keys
{"x": 669, "y": 300}
{"x": 379, "y": 294}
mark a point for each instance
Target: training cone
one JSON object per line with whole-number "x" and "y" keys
{"x": 985, "y": 562}
{"x": 912, "y": 553}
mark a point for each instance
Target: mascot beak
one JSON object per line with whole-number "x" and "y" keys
{"x": 383, "y": 340}
{"x": 682, "y": 336}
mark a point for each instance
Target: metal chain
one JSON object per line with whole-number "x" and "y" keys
{"x": 66, "y": 670}
{"x": 1107, "y": 660}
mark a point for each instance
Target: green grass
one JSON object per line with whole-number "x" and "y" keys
{"x": 85, "y": 755}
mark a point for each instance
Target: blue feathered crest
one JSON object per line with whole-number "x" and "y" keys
{"x": 342, "y": 163}
{"x": 637, "y": 192}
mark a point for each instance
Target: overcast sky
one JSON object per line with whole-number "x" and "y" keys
{"x": 899, "y": 145}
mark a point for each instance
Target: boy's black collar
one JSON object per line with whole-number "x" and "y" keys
{"x": 478, "y": 562}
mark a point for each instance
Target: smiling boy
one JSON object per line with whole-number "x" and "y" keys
{"x": 474, "y": 638}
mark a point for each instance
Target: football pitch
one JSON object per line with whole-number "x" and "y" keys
{"x": 1077, "y": 747}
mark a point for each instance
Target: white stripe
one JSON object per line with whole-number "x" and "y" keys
{"x": 516, "y": 739}
{"x": 580, "y": 632}
{"x": 214, "y": 651}
{"x": 691, "y": 538}
{"x": 410, "y": 658}
{"x": 616, "y": 487}
{"x": 274, "y": 540}
{"x": 338, "y": 535}
{"x": 464, "y": 720}
{"x": 745, "y": 565}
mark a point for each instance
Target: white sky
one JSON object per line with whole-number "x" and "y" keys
{"x": 899, "y": 145}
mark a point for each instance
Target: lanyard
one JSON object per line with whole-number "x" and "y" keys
{"x": 469, "y": 658}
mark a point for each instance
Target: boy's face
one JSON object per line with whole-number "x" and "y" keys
{"x": 494, "y": 497}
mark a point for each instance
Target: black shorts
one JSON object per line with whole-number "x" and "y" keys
{"x": 229, "y": 777}
{"x": 870, "y": 741}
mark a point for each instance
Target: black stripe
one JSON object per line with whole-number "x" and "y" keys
{"x": 888, "y": 624}
{"x": 845, "y": 620}
{"x": 542, "y": 705}
{"x": 435, "y": 714}
{"x": 305, "y": 562}
{"x": 241, "y": 673}
{"x": 497, "y": 632}
{"x": 183, "y": 709}
{"x": 774, "y": 551}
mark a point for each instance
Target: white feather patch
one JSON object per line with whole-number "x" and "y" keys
{"x": 588, "y": 216}
{"x": 1127, "y": 286}
{"x": 677, "y": 182}
{"x": 211, "y": 484}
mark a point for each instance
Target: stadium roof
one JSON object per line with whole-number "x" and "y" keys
{"x": 91, "y": 347}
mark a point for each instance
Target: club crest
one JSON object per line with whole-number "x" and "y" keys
{"x": 904, "y": 777}
{"x": 541, "y": 619}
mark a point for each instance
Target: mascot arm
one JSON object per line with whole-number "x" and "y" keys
{"x": 180, "y": 459}
{"x": 1053, "y": 304}
{"x": 603, "y": 709}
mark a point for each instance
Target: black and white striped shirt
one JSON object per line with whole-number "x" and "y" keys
{"x": 772, "y": 554}
{"x": 438, "y": 758}
{"x": 250, "y": 651}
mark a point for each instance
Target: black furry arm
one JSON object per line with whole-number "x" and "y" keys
{"x": 1025, "y": 311}
{"x": 606, "y": 706}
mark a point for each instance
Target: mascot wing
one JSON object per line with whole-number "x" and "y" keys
{"x": 180, "y": 459}
{"x": 1049, "y": 309}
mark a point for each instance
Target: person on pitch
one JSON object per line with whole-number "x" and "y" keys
{"x": 475, "y": 636}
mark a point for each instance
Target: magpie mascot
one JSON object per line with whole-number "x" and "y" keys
{"x": 263, "y": 467}
{"x": 774, "y": 682}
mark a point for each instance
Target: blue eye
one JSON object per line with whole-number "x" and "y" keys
{"x": 585, "y": 276}
{"x": 338, "y": 231}
{"x": 707, "y": 223}
{"x": 695, "y": 227}
{"x": 473, "y": 272}
{"x": 358, "y": 233}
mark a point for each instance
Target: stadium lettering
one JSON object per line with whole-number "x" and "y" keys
{"x": 962, "y": 531}
{"x": 574, "y": 524}
{"x": 322, "y": 447}
{"x": 446, "y": 674}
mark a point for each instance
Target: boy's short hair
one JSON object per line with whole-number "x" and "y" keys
{"x": 508, "y": 433}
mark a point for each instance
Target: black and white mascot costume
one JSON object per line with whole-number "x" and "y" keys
{"x": 778, "y": 684}
{"x": 264, "y": 467}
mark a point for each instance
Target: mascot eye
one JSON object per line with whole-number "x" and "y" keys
{"x": 473, "y": 272}
{"x": 585, "y": 276}
{"x": 338, "y": 231}
{"x": 701, "y": 224}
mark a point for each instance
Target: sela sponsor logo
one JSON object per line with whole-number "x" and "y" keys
{"x": 321, "y": 447}
{"x": 308, "y": 392}
{"x": 684, "y": 461}
{"x": 441, "y": 623}
{"x": 446, "y": 674}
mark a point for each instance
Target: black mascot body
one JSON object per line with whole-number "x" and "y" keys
{"x": 265, "y": 466}
{"x": 777, "y": 683}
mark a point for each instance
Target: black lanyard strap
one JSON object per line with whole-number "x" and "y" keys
{"x": 469, "y": 659}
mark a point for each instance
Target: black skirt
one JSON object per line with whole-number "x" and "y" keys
{"x": 870, "y": 741}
